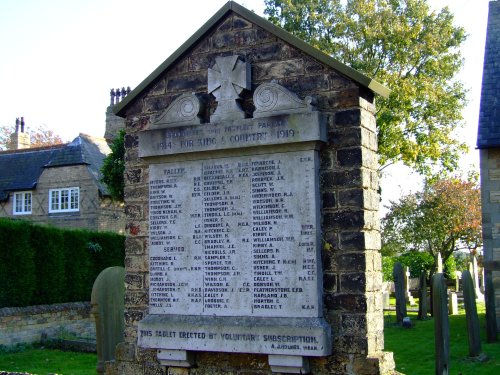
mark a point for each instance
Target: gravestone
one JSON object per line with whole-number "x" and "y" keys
{"x": 251, "y": 194}
{"x": 473, "y": 334}
{"x": 458, "y": 276}
{"x": 386, "y": 300}
{"x": 422, "y": 296}
{"x": 439, "y": 263}
{"x": 400, "y": 291}
{"x": 408, "y": 296}
{"x": 441, "y": 324}
{"x": 107, "y": 303}
{"x": 474, "y": 273}
{"x": 452, "y": 303}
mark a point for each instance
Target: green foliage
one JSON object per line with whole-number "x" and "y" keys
{"x": 78, "y": 265}
{"x": 462, "y": 260}
{"x": 443, "y": 218}
{"x": 17, "y": 267}
{"x": 404, "y": 45}
{"x": 387, "y": 267}
{"x": 45, "y": 265}
{"x": 113, "y": 167}
{"x": 449, "y": 268}
{"x": 417, "y": 262}
{"x": 48, "y": 246}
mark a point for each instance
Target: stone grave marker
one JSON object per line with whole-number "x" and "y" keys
{"x": 439, "y": 263}
{"x": 452, "y": 303}
{"x": 473, "y": 334}
{"x": 107, "y": 303}
{"x": 409, "y": 297}
{"x": 422, "y": 296}
{"x": 400, "y": 291}
{"x": 458, "y": 276}
{"x": 441, "y": 324}
{"x": 386, "y": 300}
{"x": 474, "y": 273}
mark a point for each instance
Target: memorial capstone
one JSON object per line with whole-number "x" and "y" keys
{"x": 234, "y": 230}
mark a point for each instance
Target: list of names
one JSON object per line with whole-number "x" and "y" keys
{"x": 235, "y": 236}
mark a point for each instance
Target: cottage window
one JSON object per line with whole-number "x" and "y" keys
{"x": 22, "y": 203}
{"x": 64, "y": 200}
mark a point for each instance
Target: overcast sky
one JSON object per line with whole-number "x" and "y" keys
{"x": 60, "y": 58}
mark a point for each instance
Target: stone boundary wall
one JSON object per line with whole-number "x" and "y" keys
{"x": 25, "y": 325}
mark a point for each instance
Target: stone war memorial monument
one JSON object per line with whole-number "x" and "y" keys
{"x": 252, "y": 210}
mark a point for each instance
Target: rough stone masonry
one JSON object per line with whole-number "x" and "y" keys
{"x": 223, "y": 274}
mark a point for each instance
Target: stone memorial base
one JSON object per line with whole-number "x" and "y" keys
{"x": 310, "y": 337}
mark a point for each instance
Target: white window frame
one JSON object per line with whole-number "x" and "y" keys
{"x": 22, "y": 203}
{"x": 64, "y": 200}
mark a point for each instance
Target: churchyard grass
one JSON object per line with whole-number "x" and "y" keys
{"x": 413, "y": 348}
{"x": 413, "y": 351}
{"x": 47, "y": 361}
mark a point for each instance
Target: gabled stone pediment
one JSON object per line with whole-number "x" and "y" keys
{"x": 250, "y": 18}
{"x": 183, "y": 111}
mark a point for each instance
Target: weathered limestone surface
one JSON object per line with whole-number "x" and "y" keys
{"x": 351, "y": 262}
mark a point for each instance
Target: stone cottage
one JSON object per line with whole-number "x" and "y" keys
{"x": 58, "y": 185}
{"x": 242, "y": 98}
{"x": 488, "y": 143}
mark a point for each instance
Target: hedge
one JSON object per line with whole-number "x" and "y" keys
{"x": 45, "y": 265}
{"x": 416, "y": 261}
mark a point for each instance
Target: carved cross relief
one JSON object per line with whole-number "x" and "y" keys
{"x": 226, "y": 80}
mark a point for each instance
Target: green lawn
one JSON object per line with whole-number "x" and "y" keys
{"x": 414, "y": 348}
{"x": 48, "y": 361}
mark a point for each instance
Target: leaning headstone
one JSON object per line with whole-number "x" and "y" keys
{"x": 441, "y": 324}
{"x": 471, "y": 315}
{"x": 399, "y": 286}
{"x": 408, "y": 296}
{"x": 107, "y": 307}
{"x": 422, "y": 296}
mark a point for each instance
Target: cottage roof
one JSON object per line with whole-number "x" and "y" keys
{"x": 21, "y": 169}
{"x": 347, "y": 71}
{"x": 489, "y": 114}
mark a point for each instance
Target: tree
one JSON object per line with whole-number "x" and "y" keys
{"x": 443, "y": 218}
{"x": 412, "y": 50}
{"x": 113, "y": 167}
{"x": 40, "y": 136}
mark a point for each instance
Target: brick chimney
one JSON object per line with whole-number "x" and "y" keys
{"x": 20, "y": 138}
{"x": 114, "y": 123}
